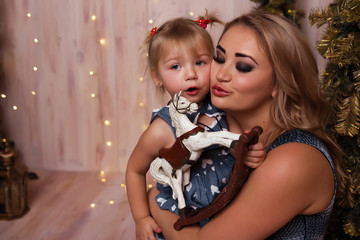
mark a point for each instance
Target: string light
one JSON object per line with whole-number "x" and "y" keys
{"x": 3, "y": 95}
{"x": 35, "y": 69}
{"x": 150, "y": 186}
{"x": 107, "y": 122}
{"x": 102, "y": 41}
{"x": 141, "y": 104}
{"x": 151, "y": 21}
{"x": 108, "y": 143}
{"x": 103, "y": 180}
{"x": 93, "y": 17}
{"x": 141, "y": 79}
{"x": 33, "y": 93}
{"x": 123, "y": 185}
{"x": 15, "y": 108}
{"x": 102, "y": 173}
{"x": 111, "y": 202}
{"x": 91, "y": 73}
{"x": 28, "y": 15}
{"x": 93, "y": 205}
{"x": 36, "y": 40}
{"x": 93, "y": 95}
{"x": 191, "y": 13}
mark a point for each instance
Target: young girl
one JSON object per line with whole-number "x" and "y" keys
{"x": 180, "y": 53}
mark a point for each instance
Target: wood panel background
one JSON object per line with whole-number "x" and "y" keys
{"x": 58, "y": 124}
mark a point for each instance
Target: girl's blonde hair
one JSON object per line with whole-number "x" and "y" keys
{"x": 299, "y": 103}
{"x": 182, "y": 31}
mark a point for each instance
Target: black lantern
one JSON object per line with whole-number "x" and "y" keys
{"x": 13, "y": 186}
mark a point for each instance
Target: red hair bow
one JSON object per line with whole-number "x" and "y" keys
{"x": 203, "y": 22}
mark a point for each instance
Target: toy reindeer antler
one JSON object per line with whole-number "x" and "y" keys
{"x": 237, "y": 179}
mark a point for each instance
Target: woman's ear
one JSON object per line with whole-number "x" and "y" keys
{"x": 274, "y": 92}
{"x": 154, "y": 76}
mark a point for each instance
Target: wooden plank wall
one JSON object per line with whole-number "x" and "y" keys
{"x": 58, "y": 123}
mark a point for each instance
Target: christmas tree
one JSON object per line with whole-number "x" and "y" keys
{"x": 340, "y": 44}
{"x": 284, "y": 8}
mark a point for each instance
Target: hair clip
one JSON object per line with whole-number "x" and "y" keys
{"x": 153, "y": 31}
{"x": 203, "y": 22}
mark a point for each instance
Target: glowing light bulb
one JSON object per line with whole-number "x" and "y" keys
{"x": 108, "y": 143}
{"x": 33, "y": 93}
{"x": 35, "y": 69}
{"x": 3, "y": 95}
{"x": 107, "y": 122}
{"x": 93, "y": 17}
{"x": 150, "y": 186}
{"x": 103, "y": 180}
{"x": 91, "y": 73}
{"x": 102, "y": 173}
{"x": 141, "y": 104}
{"x": 102, "y": 41}
{"x": 111, "y": 202}
{"x": 93, "y": 95}
{"x": 122, "y": 185}
{"x": 93, "y": 205}
{"x": 15, "y": 108}
{"x": 36, "y": 40}
{"x": 28, "y": 15}
{"x": 141, "y": 79}
{"x": 151, "y": 21}
{"x": 191, "y": 13}
{"x": 4, "y": 140}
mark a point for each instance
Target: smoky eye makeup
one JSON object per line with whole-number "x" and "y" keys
{"x": 244, "y": 67}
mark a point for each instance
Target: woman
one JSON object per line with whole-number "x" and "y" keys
{"x": 265, "y": 74}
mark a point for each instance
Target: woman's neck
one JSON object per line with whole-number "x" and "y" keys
{"x": 239, "y": 122}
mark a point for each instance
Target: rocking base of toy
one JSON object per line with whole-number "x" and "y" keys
{"x": 237, "y": 179}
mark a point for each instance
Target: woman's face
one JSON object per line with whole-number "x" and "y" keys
{"x": 241, "y": 74}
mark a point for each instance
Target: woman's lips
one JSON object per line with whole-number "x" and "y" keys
{"x": 219, "y": 91}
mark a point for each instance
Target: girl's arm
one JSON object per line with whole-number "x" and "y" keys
{"x": 294, "y": 179}
{"x": 157, "y": 136}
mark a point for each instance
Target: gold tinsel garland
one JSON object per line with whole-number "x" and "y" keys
{"x": 341, "y": 84}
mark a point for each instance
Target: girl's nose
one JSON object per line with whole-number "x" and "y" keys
{"x": 191, "y": 74}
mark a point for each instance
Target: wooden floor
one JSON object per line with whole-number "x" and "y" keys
{"x": 73, "y": 205}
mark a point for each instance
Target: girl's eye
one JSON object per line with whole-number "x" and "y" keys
{"x": 219, "y": 59}
{"x": 242, "y": 67}
{"x": 200, "y": 63}
{"x": 175, "y": 67}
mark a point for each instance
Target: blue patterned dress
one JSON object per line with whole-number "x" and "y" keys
{"x": 210, "y": 174}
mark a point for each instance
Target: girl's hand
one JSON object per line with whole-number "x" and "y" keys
{"x": 255, "y": 155}
{"x": 145, "y": 228}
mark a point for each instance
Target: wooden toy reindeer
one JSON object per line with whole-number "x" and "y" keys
{"x": 173, "y": 166}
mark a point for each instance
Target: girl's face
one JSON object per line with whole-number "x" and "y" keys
{"x": 241, "y": 74}
{"x": 183, "y": 70}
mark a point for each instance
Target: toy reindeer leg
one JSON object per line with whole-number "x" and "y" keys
{"x": 237, "y": 179}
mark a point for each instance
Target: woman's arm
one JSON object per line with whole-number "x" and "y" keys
{"x": 294, "y": 179}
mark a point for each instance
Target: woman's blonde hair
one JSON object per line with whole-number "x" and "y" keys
{"x": 299, "y": 102}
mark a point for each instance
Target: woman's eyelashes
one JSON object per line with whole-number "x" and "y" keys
{"x": 219, "y": 59}
{"x": 244, "y": 67}
{"x": 241, "y": 67}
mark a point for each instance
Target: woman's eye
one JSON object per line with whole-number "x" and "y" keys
{"x": 219, "y": 60}
{"x": 244, "y": 67}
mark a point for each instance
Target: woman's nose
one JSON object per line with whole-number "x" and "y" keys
{"x": 223, "y": 73}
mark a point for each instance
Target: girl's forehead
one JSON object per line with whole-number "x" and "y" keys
{"x": 179, "y": 48}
